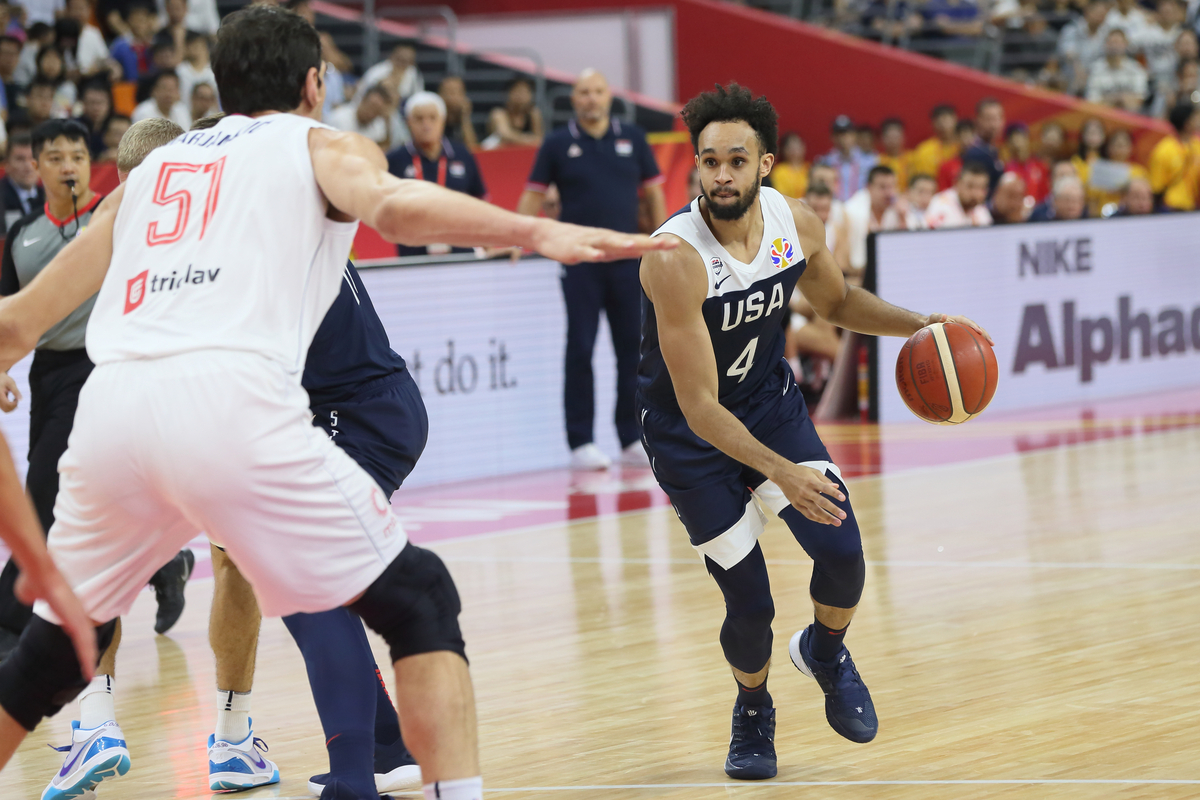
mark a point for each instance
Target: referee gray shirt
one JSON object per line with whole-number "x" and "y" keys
{"x": 32, "y": 243}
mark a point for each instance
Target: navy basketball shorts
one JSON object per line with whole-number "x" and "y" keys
{"x": 722, "y": 503}
{"x": 383, "y": 427}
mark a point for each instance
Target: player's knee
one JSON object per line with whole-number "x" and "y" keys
{"x": 414, "y": 606}
{"x": 42, "y": 674}
{"x": 839, "y": 582}
{"x": 754, "y": 610}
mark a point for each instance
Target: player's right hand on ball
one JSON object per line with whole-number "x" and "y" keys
{"x": 810, "y": 491}
{"x": 571, "y": 244}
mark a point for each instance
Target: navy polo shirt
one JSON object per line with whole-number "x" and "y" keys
{"x": 459, "y": 172}
{"x": 598, "y": 179}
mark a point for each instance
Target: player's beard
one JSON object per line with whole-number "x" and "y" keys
{"x": 735, "y": 211}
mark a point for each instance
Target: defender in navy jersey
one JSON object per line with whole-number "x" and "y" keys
{"x": 725, "y": 425}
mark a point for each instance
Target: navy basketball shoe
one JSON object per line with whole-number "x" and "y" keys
{"x": 848, "y": 705}
{"x": 752, "y": 744}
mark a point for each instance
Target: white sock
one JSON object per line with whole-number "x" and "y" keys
{"x": 233, "y": 716}
{"x": 96, "y": 703}
{"x": 461, "y": 789}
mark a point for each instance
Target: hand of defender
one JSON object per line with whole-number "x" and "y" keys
{"x": 975, "y": 326}
{"x": 10, "y": 395}
{"x": 809, "y": 491}
{"x": 45, "y": 582}
{"x": 571, "y": 244}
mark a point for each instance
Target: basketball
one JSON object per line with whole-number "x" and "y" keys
{"x": 946, "y": 373}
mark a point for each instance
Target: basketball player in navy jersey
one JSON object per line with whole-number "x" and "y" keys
{"x": 725, "y": 426}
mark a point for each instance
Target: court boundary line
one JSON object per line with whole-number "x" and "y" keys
{"x": 792, "y": 784}
{"x": 1068, "y": 565}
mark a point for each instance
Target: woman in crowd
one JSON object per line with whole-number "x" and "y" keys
{"x": 518, "y": 122}
{"x": 1091, "y": 144}
{"x": 789, "y": 176}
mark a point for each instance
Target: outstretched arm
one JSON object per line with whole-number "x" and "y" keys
{"x": 352, "y": 173}
{"x": 675, "y": 282}
{"x": 852, "y": 307}
{"x": 74, "y": 275}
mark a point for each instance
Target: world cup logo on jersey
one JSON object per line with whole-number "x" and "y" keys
{"x": 781, "y": 253}
{"x": 135, "y": 291}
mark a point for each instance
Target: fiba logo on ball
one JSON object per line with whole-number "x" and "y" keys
{"x": 135, "y": 291}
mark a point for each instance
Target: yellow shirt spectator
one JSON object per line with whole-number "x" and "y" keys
{"x": 899, "y": 165}
{"x": 929, "y": 156}
{"x": 789, "y": 180}
{"x": 1173, "y": 167}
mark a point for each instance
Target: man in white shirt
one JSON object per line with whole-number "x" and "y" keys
{"x": 370, "y": 117}
{"x": 1081, "y": 42}
{"x": 91, "y": 51}
{"x": 164, "y": 102}
{"x": 867, "y": 212}
{"x": 195, "y": 67}
{"x": 1129, "y": 17}
{"x": 1157, "y": 42}
{"x": 1117, "y": 80}
{"x": 963, "y": 205}
{"x": 398, "y": 72}
{"x": 202, "y": 16}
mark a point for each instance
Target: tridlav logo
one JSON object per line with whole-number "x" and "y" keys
{"x": 135, "y": 291}
{"x": 1086, "y": 342}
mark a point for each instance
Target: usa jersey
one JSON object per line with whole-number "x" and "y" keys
{"x": 222, "y": 243}
{"x": 744, "y": 308}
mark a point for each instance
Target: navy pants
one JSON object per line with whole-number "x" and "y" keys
{"x": 588, "y": 289}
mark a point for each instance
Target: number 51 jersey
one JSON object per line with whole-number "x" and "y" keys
{"x": 744, "y": 308}
{"x": 222, "y": 243}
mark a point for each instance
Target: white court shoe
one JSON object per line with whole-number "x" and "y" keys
{"x": 588, "y": 456}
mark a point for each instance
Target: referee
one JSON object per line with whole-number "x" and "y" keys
{"x": 60, "y": 362}
{"x": 599, "y": 164}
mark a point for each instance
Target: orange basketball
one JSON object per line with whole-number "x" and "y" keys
{"x": 946, "y": 373}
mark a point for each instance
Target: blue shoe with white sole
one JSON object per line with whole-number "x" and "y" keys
{"x": 93, "y": 755}
{"x": 234, "y": 766}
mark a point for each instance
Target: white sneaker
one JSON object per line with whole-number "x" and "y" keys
{"x": 239, "y": 766}
{"x": 588, "y": 456}
{"x": 404, "y": 778}
{"x": 635, "y": 456}
{"x": 93, "y": 755}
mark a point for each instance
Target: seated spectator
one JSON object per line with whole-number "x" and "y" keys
{"x": 97, "y": 105}
{"x": 947, "y": 174}
{"x": 789, "y": 176}
{"x": 173, "y": 23}
{"x": 195, "y": 68}
{"x": 1127, "y": 16}
{"x": 944, "y": 145}
{"x": 831, "y": 178}
{"x": 40, "y": 35}
{"x": 1156, "y": 43}
{"x": 1091, "y": 143}
{"x": 1066, "y": 201}
{"x": 1034, "y": 173}
{"x": 91, "y": 51}
{"x": 21, "y": 190}
{"x": 1187, "y": 85}
{"x": 164, "y": 102}
{"x": 50, "y": 67}
{"x": 1110, "y": 176}
{"x": 453, "y": 92}
{"x": 851, "y": 163}
{"x": 132, "y": 50}
{"x": 953, "y": 19}
{"x": 820, "y": 198}
{"x": 866, "y": 212}
{"x": 1174, "y": 160}
{"x": 431, "y": 156}
{"x": 864, "y": 137}
{"x": 518, "y": 121}
{"x": 921, "y": 188}
{"x": 894, "y": 156}
{"x": 10, "y": 54}
{"x": 1051, "y": 140}
{"x": 1009, "y": 203}
{"x": 1117, "y": 80}
{"x": 203, "y": 102}
{"x": 989, "y": 134}
{"x": 397, "y": 73}
{"x": 1081, "y": 42}
{"x": 964, "y": 204}
{"x": 1138, "y": 199}
{"x": 39, "y": 105}
{"x": 371, "y": 117}
{"x": 113, "y": 131}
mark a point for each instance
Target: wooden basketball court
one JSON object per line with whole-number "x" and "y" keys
{"x": 1030, "y": 629}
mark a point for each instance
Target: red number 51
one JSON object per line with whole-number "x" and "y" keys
{"x": 181, "y": 199}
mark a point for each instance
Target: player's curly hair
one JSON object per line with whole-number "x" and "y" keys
{"x": 733, "y": 103}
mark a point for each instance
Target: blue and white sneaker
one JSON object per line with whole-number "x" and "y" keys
{"x": 93, "y": 755}
{"x": 239, "y": 766}
{"x": 848, "y": 706}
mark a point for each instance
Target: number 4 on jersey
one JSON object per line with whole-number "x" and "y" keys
{"x": 741, "y": 367}
{"x": 181, "y": 199}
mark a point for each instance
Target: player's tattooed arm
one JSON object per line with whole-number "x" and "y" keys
{"x": 846, "y": 306}
{"x": 74, "y": 275}
{"x": 677, "y": 284}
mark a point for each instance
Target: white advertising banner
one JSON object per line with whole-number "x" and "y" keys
{"x": 1079, "y": 310}
{"x": 485, "y": 342}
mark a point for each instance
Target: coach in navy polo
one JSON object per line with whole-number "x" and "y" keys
{"x": 431, "y": 156}
{"x": 599, "y": 165}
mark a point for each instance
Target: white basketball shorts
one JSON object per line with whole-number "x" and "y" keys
{"x": 220, "y": 442}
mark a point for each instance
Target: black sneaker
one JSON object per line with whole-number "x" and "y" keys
{"x": 848, "y": 705}
{"x": 752, "y": 744}
{"x": 168, "y": 585}
{"x": 395, "y": 771}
